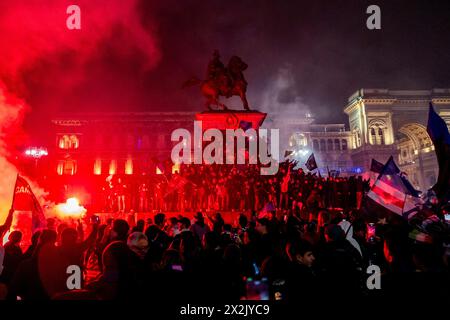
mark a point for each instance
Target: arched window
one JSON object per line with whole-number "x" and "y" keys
{"x": 66, "y": 142}
{"x": 337, "y": 145}
{"x": 330, "y": 145}
{"x": 344, "y": 144}
{"x": 63, "y": 143}
{"x": 113, "y": 167}
{"x": 69, "y": 167}
{"x": 129, "y": 166}
{"x": 74, "y": 142}
{"x": 298, "y": 139}
{"x": 315, "y": 145}
{"x": 377, "y": 132}
{"x": 381, "y": 135}
{"x": 322, "y": 145}
{"x": 373, "y": 135}
{"x": 98, "y": 167}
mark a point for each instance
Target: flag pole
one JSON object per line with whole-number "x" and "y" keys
{"x": 14, "y": 192}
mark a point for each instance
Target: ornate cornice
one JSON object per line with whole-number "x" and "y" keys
{"x": 70, "y": 123}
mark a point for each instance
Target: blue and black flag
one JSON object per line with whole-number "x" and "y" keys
{"x": 311, "y": 163}
{"x": 438, "y": 131}
{"x": 376, "y": 166}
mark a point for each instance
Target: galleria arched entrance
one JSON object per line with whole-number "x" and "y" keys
{"x": 393, "y": 122}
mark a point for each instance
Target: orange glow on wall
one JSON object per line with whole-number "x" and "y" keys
{"x": 176, "y": 168}
{"x": 98, "y": 167}
{"x": 61, "y": 143}
{"x": 113, "y": 167}
{"x": 129, "y": 166}
{"x": 60, "y": 168}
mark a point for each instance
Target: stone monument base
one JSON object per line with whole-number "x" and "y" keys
{"x": 231, "y": 119}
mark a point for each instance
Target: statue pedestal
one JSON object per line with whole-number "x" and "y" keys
{"x": 231, "y": 119}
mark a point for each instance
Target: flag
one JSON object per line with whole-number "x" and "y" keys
{"x": 25, "y": 200}
{"x": 311, "y": 163}
{"x": 376, "y": 166}
{"x": 394, "y": 192}
{"x": 177, "y": 182}
{"x": 287, "y": 153}
{"x": 438, "y": 131}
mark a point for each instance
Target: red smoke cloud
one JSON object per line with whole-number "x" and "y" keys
{"x": 37, "y": 47}
{"x": 35, "y": 30}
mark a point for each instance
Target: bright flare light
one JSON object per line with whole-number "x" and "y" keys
{"x": 36, "y": 152}
{"x": 70, "y": 209}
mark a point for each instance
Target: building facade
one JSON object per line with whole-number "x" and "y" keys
{"x": 381, "y": 123}
{"x": 114, "y": 143}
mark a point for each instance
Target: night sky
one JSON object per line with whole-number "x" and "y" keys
{"x": 309, "y": 55}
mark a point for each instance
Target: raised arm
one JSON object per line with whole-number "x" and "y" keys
{"x": 5, "y": 227}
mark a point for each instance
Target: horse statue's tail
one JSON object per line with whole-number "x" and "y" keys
{"x": 194, "y": 81}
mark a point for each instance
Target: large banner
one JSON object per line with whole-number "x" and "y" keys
{"x": 25, "y": 200}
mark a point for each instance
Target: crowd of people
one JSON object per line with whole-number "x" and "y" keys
{"x": 300, "y": 247}
{"x": 215, "y": 261}
{"x": 228, "y": 188}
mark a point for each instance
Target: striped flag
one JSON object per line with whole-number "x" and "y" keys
{"x": 394, "y": 192}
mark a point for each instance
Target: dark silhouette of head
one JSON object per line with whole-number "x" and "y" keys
{"x": 160, "y": 219}
{"x": 120, "y": 230}
{"x": 69, "y": 237}
{"x": 243, "y": 220}
{"x": 15, "y": 237}
{"x": 47, "y": 237}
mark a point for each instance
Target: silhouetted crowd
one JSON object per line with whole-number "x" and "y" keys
{"x": 227, "y": 188}
{"x": 288, "y": 256}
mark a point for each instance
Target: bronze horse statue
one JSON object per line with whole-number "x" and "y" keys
{"x": 222, "y": 81}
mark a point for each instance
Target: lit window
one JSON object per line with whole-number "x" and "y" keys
{"x": 113, "y": 167}
{"x": 176, "y": 168}
{"x": 98, "y": 167}
{"x": 74, "y": 142}
{"x": 60, "y": 168}
{"x": 129, "y": 166}
{"x": 66, "y": 142}
{"x": 70, "y": 167}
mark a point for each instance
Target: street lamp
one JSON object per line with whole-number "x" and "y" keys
{"x": 36, "y": 153}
